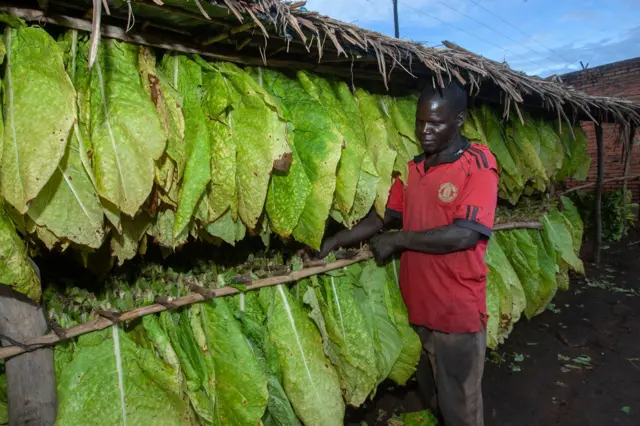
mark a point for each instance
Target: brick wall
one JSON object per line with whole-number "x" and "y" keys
{"x": 620, "y": 79}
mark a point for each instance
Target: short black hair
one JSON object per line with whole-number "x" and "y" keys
{"x": 453, "y": 93}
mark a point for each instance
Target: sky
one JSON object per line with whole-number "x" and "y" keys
{"x": 539, "y": 37}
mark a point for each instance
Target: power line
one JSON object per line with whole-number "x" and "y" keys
{"x": 520, "y": 31}
{"x": 488, "y": 27}
{"x": 470, "y": 34}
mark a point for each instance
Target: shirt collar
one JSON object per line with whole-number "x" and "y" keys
{"x": 418, "y": 159}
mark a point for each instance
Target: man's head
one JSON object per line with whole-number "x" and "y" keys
{"x": 441, "y": 112}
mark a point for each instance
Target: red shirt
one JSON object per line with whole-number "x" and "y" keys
{"x": 447, "y": 292}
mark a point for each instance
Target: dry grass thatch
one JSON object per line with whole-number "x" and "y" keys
{"x": 279, "y": 34}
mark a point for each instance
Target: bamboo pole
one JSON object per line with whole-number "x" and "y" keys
{"x": 228, "y": 34}
{"x": 157, "y": 41}
{"x": 517, "y": 225}
{"x": 627, "y": 166}
{"x": 592, "y": 184}
{"x": 201, "y": 294}
{"x": 598, "y": 197}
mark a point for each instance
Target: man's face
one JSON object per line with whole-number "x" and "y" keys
{"x": 436, "y": 124}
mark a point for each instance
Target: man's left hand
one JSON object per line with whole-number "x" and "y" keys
{"x": 384, "y": 245}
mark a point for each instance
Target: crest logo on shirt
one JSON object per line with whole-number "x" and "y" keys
{"x": 447, "y": 192}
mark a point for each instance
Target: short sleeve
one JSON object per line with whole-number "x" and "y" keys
{"x": 395, "y": 204}
{"x": 477, "y": 208}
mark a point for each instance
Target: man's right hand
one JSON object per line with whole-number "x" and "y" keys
{"x": 364, "y": 230}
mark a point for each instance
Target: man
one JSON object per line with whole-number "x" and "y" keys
{"x": 447, "y": 209}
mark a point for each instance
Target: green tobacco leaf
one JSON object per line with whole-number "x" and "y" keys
{"x": 556, "y": 231}
{"x": 217, "y": 97}
{"x": 505, "y": 295}
{"x": 407, "y": 362}
{"x": 343, "y": 110}
{"x": 249, "y": 312}
{"x": 365, "y": 192}
{"x": 308, "y": 377}
{"x": 288, "y": 189}
{"x": 318, "y": 143}
{"x": 526, "y": 145}
{"x": 574, "y": 222}
{"x": 405, "y": 146}
{"x": 241, "y": 393}
{"x": 372, "y": 298}
{"x": 227, "y": 229}
{"x": 111, "y": 389}
{"x": 287, "y": 196}
{"x": 81, "y": 79}
{"x": 168, "y": 104}
{"x": 269, "y": 146}
{"x": 382, "y": 153}
{"x": 368, "y": 177}
{"x": 125, "y": 131}
{"x": 579, "y": 154}
{"x": 4, "y": 409}
{"x": 576, "y": 160}
{"x": 68, "y": 205}
{"x": 186, "y": 77}
{"x": 403, "y": 115}
{"x": 472, "y": 128}
{"x": 254, "y": 155}
{"x": 39, "y": 111}
{"x": 524, "y": 257}
{"x": 125, "y": 246}
{"x": 162, "y": 230}
{"x": 346, "y": 338}
{"x": 162, "y": 344}
{"x": 495, "y": 292}
{"x": 548, "y": 285}
{"x": 198, "y": 388}
{"x": 551, "y": 148}
{"x": 419, "y": 418}
{"x": 12, "y": 20}
{"x": 16, "y": 271}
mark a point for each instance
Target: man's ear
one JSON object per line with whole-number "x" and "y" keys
{"x": 461, "y": 118}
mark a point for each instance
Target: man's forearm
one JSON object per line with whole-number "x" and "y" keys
{"x": 364, "y": 230}
{"x": 442, "y": 240}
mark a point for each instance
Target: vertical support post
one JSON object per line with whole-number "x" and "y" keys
{"x": 627, "y": 166}
{"x": 396, "y": 20}
{"x": 31, "y": 379}
{"x": 597, "y": 245}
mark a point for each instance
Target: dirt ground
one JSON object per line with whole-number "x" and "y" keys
{"x": 578, "y": 363}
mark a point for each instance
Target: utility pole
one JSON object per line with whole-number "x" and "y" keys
{"x": 395, "y": 18}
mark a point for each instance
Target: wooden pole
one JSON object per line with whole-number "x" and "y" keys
{"x": 31, "y": 378}
{"x": 598, "y": 194}
{"x": 627, "y": 166}
{"x": 107, "y": 319}
{"x": 592, "y": 184}
{"x": 396, "y": 20}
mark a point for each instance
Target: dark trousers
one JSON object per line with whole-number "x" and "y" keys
{"x": 450, "y": 375}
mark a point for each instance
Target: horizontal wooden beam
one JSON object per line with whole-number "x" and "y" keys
{"x": 201, "y": 294}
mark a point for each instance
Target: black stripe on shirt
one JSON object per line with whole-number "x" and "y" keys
{"x": 482, "y": 155}
{"x": 475, "y": 155}
{"x": 474, "y": 213}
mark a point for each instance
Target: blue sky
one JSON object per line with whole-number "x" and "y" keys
{"x": 545, "y": 37}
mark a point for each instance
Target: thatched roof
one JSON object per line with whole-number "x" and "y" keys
{"x": 279, "y": 34}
